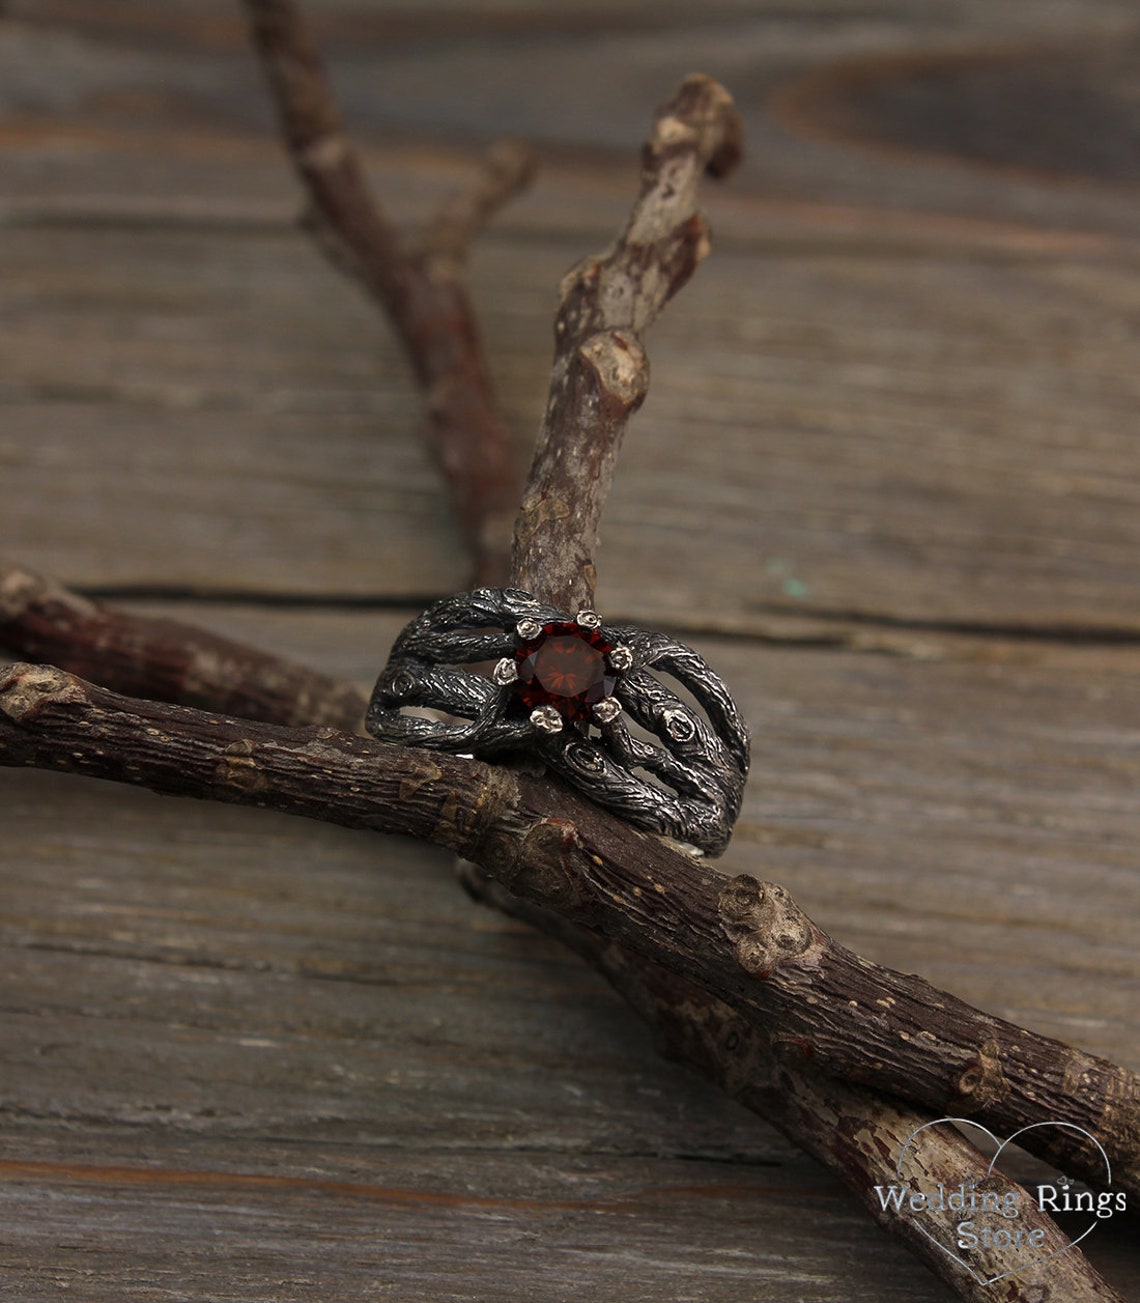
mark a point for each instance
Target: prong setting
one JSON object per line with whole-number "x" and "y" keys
{"x": 588, "y": 620}
{"x": 506, "y": 671}
{"x": 546, "y": 719}
{"x": 605, "y": 712}
{"x": 562, "y": 690}
{"x": 621, "y": 658}
{"x": 528, "y": 629}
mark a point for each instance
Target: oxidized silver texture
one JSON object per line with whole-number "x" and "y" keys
{"x": 689, "y": 787}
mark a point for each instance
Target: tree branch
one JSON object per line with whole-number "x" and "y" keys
{"x": 601, "y": 373}
{"x": 600, "y": 377}
{"x": 164, "y": 659}
{"x": 821, "y": 1008}
{"x": 422, "y": 293}
{"x": 855, "y": 1134}
{"x": 506, "y": 170}
{"x": 730, "y": 973}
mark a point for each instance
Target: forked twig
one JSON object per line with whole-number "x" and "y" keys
{"x": 421, "y": 291}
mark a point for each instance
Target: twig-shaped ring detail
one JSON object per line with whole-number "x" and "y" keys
{"x": 568, "y": 689}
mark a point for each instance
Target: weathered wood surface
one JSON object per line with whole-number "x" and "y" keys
{"x": 244, "y": 1057}
{"x": 269, "y": 1013}
{"x": 899, "y": 416}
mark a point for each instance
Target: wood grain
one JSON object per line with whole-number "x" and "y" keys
{"x": 946, "y": 442}
{"x": 892, "y": 427}
{"x": 184, "y": 992}
{"x": 406, "y": 1094}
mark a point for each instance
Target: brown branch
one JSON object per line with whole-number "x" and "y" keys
{"x": 143, "y": 657}
{"x": 756, "y": 1049}
{"x": 848, "y": 1129}
{"x": 822, "y": 1009}
{"x": 506, "y": 170}
{"x": 601, "y": 373}
{"x": 857, "y": 1135}
{"x": 421, "y": 293}
{"x": 600, "y": 378}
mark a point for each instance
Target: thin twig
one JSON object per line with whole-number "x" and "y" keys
{"x": 601, "y": 373}
{"x": 422, "y": 293}
{"x": 505, "y": 170}
{"x": 166, "y": 660}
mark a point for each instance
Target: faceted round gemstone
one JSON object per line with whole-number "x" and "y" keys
{"x": 567, "y": 667}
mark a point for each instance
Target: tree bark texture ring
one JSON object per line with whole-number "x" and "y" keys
{"x": 508, "y": 673}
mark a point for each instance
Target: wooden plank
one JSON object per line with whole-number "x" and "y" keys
{"x": 148, "y": 440}
{"x": 345, "y": 1081}
{"x": 945, "y": 439}
{"x": 926, "y": 416}
{"x": 338, "y": 1075}
{"x": 895, "y": 415}
{"x": 308, "y": 1235}
{"x": 854, "y": 101}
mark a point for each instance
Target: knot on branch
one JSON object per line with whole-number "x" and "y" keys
{"x": 24, "y": 689}
{"x": 23, "y": 590}
{"x": 702, "y": 117}
{"x": 19, "y": 589}
{"x": 238, "y": 768}
{"x": 983, "y": 1081}
{"x": 765, "y": 925}
{"x": 325, "y": 153}
{"x": 619, "y": 365}
{"x": 538, "y": 865}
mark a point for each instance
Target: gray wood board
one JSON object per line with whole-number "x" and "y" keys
{"x": 248, "y": 1056}
{"x": 898, "y": 410}
{"x": 947, "y": 108}
{"x": 948, "y": 438}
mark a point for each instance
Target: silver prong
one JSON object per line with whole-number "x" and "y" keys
{"x": 588, "y": 620}
{"x": 506, "y": 671}
{"x": 605, "y": 712}
{"x": 546, "y": 719}
{"x": 528, "y": 629}
{"x": 621, "y": 658}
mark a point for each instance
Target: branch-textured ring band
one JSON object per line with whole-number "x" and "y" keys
{"x": 568, "y": 688}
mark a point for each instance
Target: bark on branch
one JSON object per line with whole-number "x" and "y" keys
{"x": 854, "y": 1132}
{"x": 601, "y": 373}
{"x": 140, "y": 656}
{"x": 820, "y": 1008}
{"x": 421, "y": 291}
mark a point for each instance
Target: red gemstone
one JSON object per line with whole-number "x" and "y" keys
{"x": 566, "y": 667}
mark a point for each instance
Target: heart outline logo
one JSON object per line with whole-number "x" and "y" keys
{"x": 1001, "y": 1144}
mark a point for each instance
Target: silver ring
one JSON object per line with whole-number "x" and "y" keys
{"x": 569, "y": 689}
